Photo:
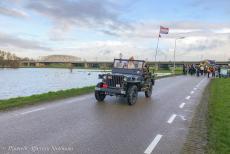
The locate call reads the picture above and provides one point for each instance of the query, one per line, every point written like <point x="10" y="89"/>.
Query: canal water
<point x="29" y="81"/>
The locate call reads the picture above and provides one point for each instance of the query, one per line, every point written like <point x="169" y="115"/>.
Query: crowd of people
<point x="202" y="70"/>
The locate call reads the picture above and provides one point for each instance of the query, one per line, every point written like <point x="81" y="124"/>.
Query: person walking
<point x="193" y="69"/>
<point x="184" y="69"/>
<point x="205" y="70"/>
<point x="208" y="71"/>
<point x="213" y="71"/>
<point x="218" y="69"/>
<point x="197" y="71"/>
<point x="202" y="70"/>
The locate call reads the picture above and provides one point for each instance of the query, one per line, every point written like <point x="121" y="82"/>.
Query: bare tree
<point x="8" y="59"/>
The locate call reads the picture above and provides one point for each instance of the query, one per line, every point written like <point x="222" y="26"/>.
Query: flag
<point x="164" y="30"/>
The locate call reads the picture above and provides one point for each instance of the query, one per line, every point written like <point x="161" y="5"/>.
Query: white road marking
<point x="200" y="83"/>
<point x="182" y="105"/>
<point x="153" y="144"/>
<point x="27" y="112"/>
<point x="188" y="97"/>
<point x="191" y="92"/>
<point x="194" y="88"/>
<point x="182" y="117"/>
<point x="171" y="118"/>
<point x="77" y="100"/>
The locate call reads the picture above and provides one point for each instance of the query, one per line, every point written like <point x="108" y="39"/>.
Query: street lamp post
<point x="174" y="55"/>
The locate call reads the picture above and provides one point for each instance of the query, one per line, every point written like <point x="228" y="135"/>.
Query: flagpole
<point x="156" y="51"/>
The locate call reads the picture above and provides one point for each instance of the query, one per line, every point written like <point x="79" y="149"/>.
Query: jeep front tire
<point x="99" y="95"/>
<point x="132" y="94"/>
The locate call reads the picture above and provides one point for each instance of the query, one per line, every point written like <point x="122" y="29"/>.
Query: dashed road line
<point x="77" y="100"/>
<point x="182" y="117"/>
<point x="182" y="105"/>
<point x="173" y="116"/>
<point x="194" y="88"/>
<point x="153" y="144"/>
<point x="200" y="83"/>
<point x="192" y="92"/>
<point x="31" y="111"/>
<point x="188" y="97"/>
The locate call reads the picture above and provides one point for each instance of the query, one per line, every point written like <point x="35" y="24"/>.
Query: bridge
<point x="107" y="64"/>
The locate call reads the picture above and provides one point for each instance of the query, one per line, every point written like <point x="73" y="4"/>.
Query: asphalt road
<point x="81" y="125"/>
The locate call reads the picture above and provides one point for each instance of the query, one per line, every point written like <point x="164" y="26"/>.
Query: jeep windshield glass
<point x="128" y="64"/>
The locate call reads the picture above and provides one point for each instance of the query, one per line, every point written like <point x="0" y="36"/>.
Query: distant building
<point x="60" y="58"/>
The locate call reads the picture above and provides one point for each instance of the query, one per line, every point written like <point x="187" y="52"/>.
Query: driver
<point x="119" y="64"/>
<point x="131" y="64"/>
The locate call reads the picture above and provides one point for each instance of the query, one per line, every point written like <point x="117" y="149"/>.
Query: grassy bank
<point x="40" y="98"/>
<point x="219" y="117"/>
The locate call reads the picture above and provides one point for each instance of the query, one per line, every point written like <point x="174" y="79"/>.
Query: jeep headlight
<point x="125" y="78"/>
<point x="104" y="77"/>
<point x="100" y="76"/>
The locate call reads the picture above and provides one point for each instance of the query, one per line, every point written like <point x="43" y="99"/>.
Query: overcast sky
<point x="101" y="29"/>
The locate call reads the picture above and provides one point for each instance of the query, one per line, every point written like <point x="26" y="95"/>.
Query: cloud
<point x="211" y="7"/>
<point x="150" y="29"/>
<point x="199" y="45"/>
<point x="9" y="40"/>
<point x="12" y="12"/>
<point x="67" y="14"/>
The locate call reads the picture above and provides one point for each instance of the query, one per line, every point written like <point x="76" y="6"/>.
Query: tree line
<point x="8" y="59"/>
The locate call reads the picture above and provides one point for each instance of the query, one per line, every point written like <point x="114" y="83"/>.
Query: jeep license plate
<point x="118" y="85"/>
<point x="97" y="88"/>
<point x="123" y="92"/>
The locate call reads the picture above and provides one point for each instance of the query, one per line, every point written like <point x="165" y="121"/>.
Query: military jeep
<point x="128" y="77"/>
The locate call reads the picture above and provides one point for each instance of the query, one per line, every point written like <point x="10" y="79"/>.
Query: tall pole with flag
<point x="156" y="51"/>
<point x="163" y="30"/>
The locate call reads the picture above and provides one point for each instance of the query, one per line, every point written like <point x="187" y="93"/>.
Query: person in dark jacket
<point x="218" y="69"/>
<point x="197" y="71"/>
<point x="184" y="69"/>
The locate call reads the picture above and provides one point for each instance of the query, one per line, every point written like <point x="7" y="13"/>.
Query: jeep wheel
<point x="148" y="93"/>
<point x="100" y="96"/>
<point x="132" y="95"/>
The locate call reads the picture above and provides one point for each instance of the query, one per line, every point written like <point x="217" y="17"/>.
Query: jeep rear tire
<point x="132" y="95"/>
<point x="148" y="93"/>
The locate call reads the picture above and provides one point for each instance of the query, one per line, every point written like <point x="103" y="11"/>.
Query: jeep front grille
<point x="114" y="80"/>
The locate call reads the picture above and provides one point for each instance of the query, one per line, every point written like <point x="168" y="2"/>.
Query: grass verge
<point x="40" y="98"/>
<point x="219" y="117"/>
<point x="210" y="128"/>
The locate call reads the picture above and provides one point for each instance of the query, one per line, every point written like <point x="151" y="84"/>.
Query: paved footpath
<point x="80" y="125"/>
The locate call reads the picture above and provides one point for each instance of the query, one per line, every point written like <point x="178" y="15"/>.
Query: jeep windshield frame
<point x="126" y="66"/>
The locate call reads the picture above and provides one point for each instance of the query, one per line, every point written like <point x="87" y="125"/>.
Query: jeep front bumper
<point x="111" y="91"/>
